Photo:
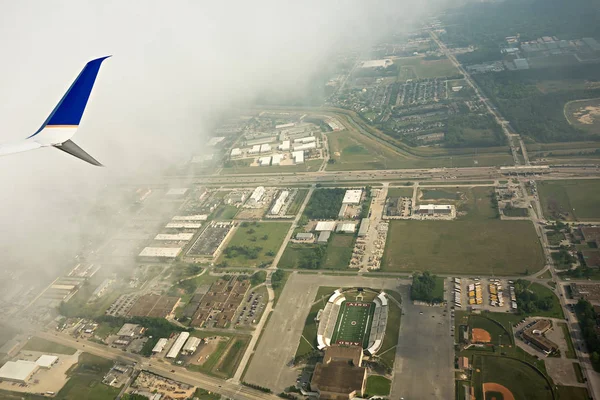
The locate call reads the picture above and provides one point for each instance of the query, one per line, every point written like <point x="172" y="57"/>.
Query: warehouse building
<point x="323" y="237"/>
<point x="325" y="226"/>
<point x="46" y="361"/>
<point x="279" y="202"/>
<point x="352" y="196"/>
<point x="276" y="159"/>
<point x="305" y="146"/>
<point x="364" y="227"/>
<point x="179" y="342"/>
<point x="306" y="139"/>
<point x="265" y="148"/>
<point x="177" y="237"/>
<point x="433" y="209"/>
<point x="177" y="191"/>
<point x="298" y="157"/>
<point x="160" y="252"/>
<point x="183" y="225"/>
<point x="191" y="345"/>
<point x="256" y="195"/>
<point x="255" y="149"/>
<point x="197" y="217"/>
<point x="285" y="145"/>
<point x="160" y="345"/>
<point x="264" y="161"/>
<point x="304" y="236"/>
<point x="236" y="152"/>
<point x="346" y="227"/>
<point x="130" y="330"/>
<point x="19" y="371"/>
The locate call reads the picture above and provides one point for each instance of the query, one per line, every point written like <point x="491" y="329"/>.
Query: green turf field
<point x="354" y="323"/>
<point x="572" y="200"/>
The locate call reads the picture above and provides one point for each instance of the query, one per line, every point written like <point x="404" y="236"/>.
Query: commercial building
<point x="191" y="345"/>
<point x="306" y="139"/>
<point x="298" y="157"/>
<point x="236" y="152"/>
<point x="255" y="149"/>
<point x="340" y="375"/>
<point x="305" y="146"/>
<point x="535" y="335"/>
<point x="179" y="342"/>
<point x="285" y="145"/>
<point x="264" y="148"/>
<point x="256" y="196"/>
<point x="130" y="330"/>
<point x="304" y="236"/>
<point x="346" y="227"/>
<point x="176" y="237"/>
<point x="433" y="209"/>
<point x="352" y="196"/>
<point x="197" y="217"/>
<point x="19" y="371"/>
<point x="279" y="202"/>
<point x="364" y="227"/>
<point x="325" y="226"/>
<point x="183" y="225"/>
<point x="161" y="252"/>
<point x="384" y="63"/>
<point x="46" y="361"/>
<point x="160" y="345"/>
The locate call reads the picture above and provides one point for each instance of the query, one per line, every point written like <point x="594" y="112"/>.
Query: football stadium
<point x="353" y="322"/>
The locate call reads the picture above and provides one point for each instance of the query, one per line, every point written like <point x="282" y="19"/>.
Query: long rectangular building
<point x="179" y="342"/>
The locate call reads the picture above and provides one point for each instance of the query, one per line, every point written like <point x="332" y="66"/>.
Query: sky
<point x="175" y="67"/>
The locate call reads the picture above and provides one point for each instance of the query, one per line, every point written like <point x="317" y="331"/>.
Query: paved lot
<point x="424" y="358"/>
<point x="278" y="344"/>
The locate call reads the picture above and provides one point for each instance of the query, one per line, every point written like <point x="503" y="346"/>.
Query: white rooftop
<point x="174" y="237"/>
<point x="46" y="360"/>
<point x="177" y="191"/>
<point x="325" y="226"/>
<point x="170" y="252"/>
<point x="184" y="225"/>
<point x="352" y="196"/>
<point x="18" y="370"/>
<point x="198" y="217"/>
<point x="376" y="63"/>
<point x="434" y="207"/>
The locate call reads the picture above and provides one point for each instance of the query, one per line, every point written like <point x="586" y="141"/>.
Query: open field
<point x="353" y="323"/>
<point x="495" y="247"/>
<point x="7" y="332"/>
<point x="423" y="69"/>
<point x="224" y="360"/>
<point x="339" y="251"/>
<point x="543" y="292"/>
<point x="572" y="393"/>
<point x="584" y="114"/>
<point x="521" y="379"/>
<point x="86" y="380"/>
<point x="297" y="202"/>
<point x="267" y="236"/>
<point x="378" y="385"/>
<point x="400" y="192"/>
<point x="572" y="200"/>
<point x="225" y="212"/>
<point x="45" y="346"/>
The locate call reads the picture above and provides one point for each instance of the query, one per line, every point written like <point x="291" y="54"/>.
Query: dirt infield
<point x="480" y="336"/>
<point x="493" y="388"/>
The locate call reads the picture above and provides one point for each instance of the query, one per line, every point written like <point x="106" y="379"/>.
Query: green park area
<point x="570" y="200"/>
<point x="254" y="244"/>
<point x="470" y="246"/>
<point x="419" y="68"/>
<point x="334" y="255"/>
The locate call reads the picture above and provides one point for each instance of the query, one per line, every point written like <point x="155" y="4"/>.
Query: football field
<point x="354" y="324"/>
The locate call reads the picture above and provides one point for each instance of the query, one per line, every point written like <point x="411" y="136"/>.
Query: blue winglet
<point x="71" y="107"/>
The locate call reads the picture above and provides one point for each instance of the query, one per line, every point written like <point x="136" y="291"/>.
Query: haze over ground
<point x="176" y="66"/>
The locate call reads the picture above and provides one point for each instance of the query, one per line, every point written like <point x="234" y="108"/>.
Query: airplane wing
<point x="62" y="123"/>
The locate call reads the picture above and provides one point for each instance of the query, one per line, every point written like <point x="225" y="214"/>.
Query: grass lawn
<point x="400" y="192"/>
<point x="203" y="394"/>
<point x="423" y="69"/>
<point x="224" y="360"/>
<point x="570" y="353"/>
<point x="233" y="357"/>
<point x="45" y="346"/>
<point x="353" y="323"/>
<point x="339" y="251"/>
<point x="520" y="378"/>
<point x="297" y="202"/>
<point x="572" y="200"/>
<point x="308" y="340"/>
<point x="6" y="395"/>
<point x="294" y="252"/>
<point x="468" y="246"/>
<point x="253" y="236"/>
<point x="86" y="380"/>
<point x="378" y="385"/>
<point x="225" y="212"/>
<point x="572" y="393"/>
<point x="542" y="292"/>
<point x="104" y="330"/>
<point x="6" y="333"/>
<point x="578" y="372"/>
<point x="278" y="286"/>
<point x="387" y="353"/>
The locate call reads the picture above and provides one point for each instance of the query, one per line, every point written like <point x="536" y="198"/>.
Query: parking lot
<point x="491" y="294"/>
<point x="251" y="308"/>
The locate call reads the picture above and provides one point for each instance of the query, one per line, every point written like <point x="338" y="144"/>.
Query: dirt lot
<point x="206" y="349"/>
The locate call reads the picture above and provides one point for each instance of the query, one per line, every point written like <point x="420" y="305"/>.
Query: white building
<point x="183" y="225"/>
<point x="167" y="252"/>
<point x="384" y="63"/>
<point x="276" y="159"/>
<point x="283" y="126"/>
<point x="130" y="330"/>
<point x="306" y="139"/>
<point x="305" y="146"/>
<point x="265" y="148"/>
<point x="160" y="345"/>
<point x="346" y="227"/>
<point x="256" y="195"/>
<point x="264" y="161"/>
<point x="18" y="371"/>
<point x="352" y="196"/>
<point x="285" y="145"/>
<point x="177" y="191"/>
<point x="279" y="202"/>
<point x="236" y="152"/>
<point x="177" y="237"/>
<point x="298" y="157"/>
<point x="174" y="350"/>
<point x="325" y="226"/>
<point x="197" y="217"/>
<point x="191" y="345"/>
<point x="432" y="209"/>
<point x="46" y="361"/>
<point x="255" y="149"/>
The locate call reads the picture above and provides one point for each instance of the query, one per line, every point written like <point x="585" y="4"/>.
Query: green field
<point x="7" y="332"/>
<point x="336" y="254"/>
<point x="225" y="212"/>
<point x="297" y="202"/>
<point x="400" y="192"/>
<point x="45" y="346"/>
<point x="423" y="69"/>
<point x="354" y="323"/>
<point x="496" y="330"/>
<point x="584" y="114"/>
<point x="86" y="380"/>
<point x="542" y="292"/>
<point x="339" y="251"/>
<point x="253" y="236"/>
<point x="470" y="246"/>
<point x="572" y="200"/>
<point x="520" y="378"/>
<point x="572" y="393"/>
<point x="378" y="385"/>
<point x="224" y="360"/>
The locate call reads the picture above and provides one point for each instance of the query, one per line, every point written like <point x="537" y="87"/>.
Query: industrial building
<point x="183" y="225"/>
<point x="283" y="126"/>
<point x="279" y="202"/>
<point x="130" y="330"/>
<point x="264" y="161"/>
<point x="177" y="191"/>
<point x="384" y="63"/>
<point x="364" y="227"/>
<point x="433" y="209"/>
<point x="255" y="149"/>
<point x="346" y="227"/>
<point x="276" y="159"/>
<point x="265" y="148"/>
<point x="176" y="237"/>
<point x="46" y="361"/>
<point x="285" y="145"/>
<point x="197" y="217"/>
<point x="305" y="146"/>
<point x="179" y="342"/>
<point x="298" y="157"/>
<point x="236" y="152"/>
<point x="340" y="375"/>
<point x="352" y="196"/>
<point x="325" y="226"/>
<point x="306" y="139"/>
<point x="191" y="345"/>
<point x="160" y="345"/>
<point x="323" y="237"/>
<point x="161" y="252"/>
<point x="304" y="236"/>
<point x="256" y="195"/>
<point x="19" y="371"/>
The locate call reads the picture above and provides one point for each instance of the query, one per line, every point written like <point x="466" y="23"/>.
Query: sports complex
<point x="353" y="322"/>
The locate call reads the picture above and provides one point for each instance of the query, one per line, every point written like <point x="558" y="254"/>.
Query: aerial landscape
<point x="369" y="200"/>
